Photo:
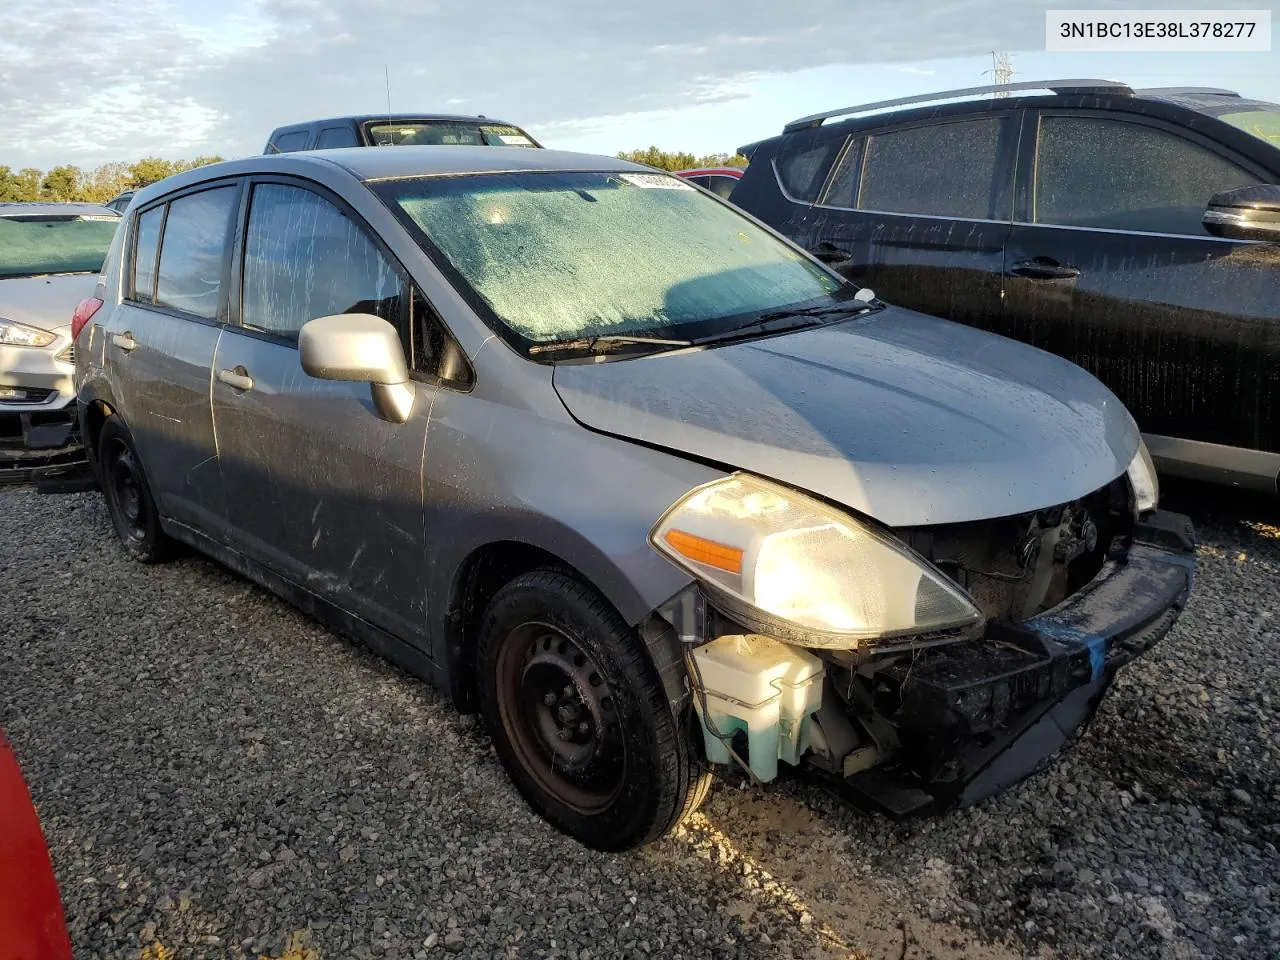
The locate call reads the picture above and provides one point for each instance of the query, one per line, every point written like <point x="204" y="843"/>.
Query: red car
<point x="719" y="180"/>
<point x="32" y="925"/>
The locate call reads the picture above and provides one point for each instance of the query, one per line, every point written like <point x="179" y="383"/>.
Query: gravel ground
<point x="220" y="776"/>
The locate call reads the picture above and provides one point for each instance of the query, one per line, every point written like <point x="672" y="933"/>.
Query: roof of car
<point x="711" y="171"/>
<point x="45" y="208"/>
<point x="399" y="118"/>
<point x="386" y="163"/>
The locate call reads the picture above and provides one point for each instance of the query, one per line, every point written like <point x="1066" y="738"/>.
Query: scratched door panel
<point x="319" y="487"/>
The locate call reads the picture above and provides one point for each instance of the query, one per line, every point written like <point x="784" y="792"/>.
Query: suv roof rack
<point x="1057" y="86"/>
<point x="1182" y="91"/>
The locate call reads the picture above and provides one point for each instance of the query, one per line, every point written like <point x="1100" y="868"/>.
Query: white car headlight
<point x="1142" y="477"/>
<point x="14" y="334"/>
<point x="821" y="578"/>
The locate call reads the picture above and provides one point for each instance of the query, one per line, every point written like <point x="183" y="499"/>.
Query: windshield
<point x="1263" y="124"/>
<point x="406" y="133"/>
<point x="555" y="256"/>
<point x="41" y="244"/>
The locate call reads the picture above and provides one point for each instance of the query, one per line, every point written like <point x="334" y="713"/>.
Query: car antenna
<point x="386" y="71"/>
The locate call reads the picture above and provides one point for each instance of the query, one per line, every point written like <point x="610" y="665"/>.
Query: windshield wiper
<point x="604" y="343"/>
<point x="791" y="318"/>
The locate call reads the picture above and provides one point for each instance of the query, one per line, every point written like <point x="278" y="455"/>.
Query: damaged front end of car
<point x="918" y="669"/>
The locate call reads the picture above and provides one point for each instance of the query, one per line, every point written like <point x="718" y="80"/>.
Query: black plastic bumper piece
<point x="980" y="716"/>
<point x="43" y="449"/>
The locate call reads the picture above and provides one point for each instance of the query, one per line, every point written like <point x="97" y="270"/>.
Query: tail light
<point x="84" y="313"/>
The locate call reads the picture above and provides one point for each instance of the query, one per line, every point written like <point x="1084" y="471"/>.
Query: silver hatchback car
<point x="620" y="467"/>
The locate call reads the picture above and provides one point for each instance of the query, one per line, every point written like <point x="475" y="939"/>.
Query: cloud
<point x="199" y="76"/>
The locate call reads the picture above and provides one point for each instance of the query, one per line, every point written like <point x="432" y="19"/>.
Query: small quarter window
<point x="144" y="254"/>
<point x="843" y="189"/>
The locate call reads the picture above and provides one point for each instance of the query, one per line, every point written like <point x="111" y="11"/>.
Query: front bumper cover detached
<point x="978" y="717"/>
<point x="43" y="448"/>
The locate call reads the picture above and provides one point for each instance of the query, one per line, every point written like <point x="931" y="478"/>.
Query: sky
<point x="115" y="80"/>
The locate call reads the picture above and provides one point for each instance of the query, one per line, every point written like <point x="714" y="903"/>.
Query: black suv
<point x="1135" y="232"/>
<point x="397" y="130"/>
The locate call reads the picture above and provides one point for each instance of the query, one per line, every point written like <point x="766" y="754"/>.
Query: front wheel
<point x="579" y="717"/>
<point x="133" y="511"/>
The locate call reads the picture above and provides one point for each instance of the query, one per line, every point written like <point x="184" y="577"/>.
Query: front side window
<point x="146" y="246"/>
<point x="193" y="251"/>
<point x="38" y="244"/>
<point x="1100" y="172"/>
<point x="304" y="258"/>
<point x="554" y="256"/>
<point x="940" y="170"/>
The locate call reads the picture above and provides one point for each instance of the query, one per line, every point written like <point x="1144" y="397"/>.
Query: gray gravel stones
<point x="219" y="774"/>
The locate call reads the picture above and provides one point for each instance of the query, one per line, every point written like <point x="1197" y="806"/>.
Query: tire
<point x="579" y="717"/>
<point x="129" y="501"/>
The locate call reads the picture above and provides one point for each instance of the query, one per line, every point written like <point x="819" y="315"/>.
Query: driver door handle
<point x="1044" y="268"/>
<point x="124" y="341"/>
<point x="238" y="378"/>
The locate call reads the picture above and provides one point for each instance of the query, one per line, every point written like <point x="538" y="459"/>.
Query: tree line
<point x="669" y="160"/>
<point x="70" y="183"/>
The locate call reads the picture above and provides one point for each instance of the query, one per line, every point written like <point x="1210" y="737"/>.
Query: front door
<point x="921" y="214"/>
<point x="319" y="488"/>
<point x="1110" y="267"/>
<point x="161" y="344"/>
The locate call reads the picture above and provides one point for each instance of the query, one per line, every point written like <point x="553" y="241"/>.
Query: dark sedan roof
<point x="47" y="209"/>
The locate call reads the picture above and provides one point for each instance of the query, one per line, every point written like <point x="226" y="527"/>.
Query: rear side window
<point x="803" y="166"/>
<point x="288" y="142"/>
<point x="194" y="249"/>
<point x="145" y="249"/>
<point x="941" y="170"/>
<point x="304" y="258"/>
<point x="1096" y="172"/>
<point x="334" y="137"/>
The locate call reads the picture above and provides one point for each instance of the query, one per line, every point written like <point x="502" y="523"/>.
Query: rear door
<point x="160" y="344"/>
<point x="1110" y="267"/>
<point x="921" y="212"/>
<point x="319" y="488"/>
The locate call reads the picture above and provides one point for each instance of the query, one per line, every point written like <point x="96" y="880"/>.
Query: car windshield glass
<point x="1263" y="124"/>
<point x="35" y="245"/>
<point x="556" y="256"/>
<point x="407" y="133"/>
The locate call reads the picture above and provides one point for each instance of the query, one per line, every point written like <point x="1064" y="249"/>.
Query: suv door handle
<point x="125" y="341"/>
<point x="238" y="378"/>
<point x="1044" y="268"/>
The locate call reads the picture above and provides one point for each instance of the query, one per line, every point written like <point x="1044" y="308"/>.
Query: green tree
<point x="148" y="170"/>
<point x="182" y="166"/>
<point x="61" y="183"/>
<point x="106" y="182"/>
<point x="667" y="160"/>
<point x="26" y="184"/>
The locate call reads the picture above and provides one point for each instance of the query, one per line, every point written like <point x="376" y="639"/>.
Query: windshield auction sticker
<point x="1175" y="30"/>
<point x="654" y="181"/>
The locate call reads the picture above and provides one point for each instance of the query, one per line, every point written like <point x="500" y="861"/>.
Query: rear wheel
<point x="133" y="511"/>
<point x="579" y="717"/>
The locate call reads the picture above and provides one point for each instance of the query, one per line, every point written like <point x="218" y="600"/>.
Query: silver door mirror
<point x="1246" y="213"/>
<point x="362" y="348"/>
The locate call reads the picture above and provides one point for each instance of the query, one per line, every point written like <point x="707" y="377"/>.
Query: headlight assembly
<point x="14" y="334"/>
<point x="807" y="573"/>
<point x="1142" y="477"/>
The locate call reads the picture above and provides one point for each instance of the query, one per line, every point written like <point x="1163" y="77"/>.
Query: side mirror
<point x="363" y="348"/>
<point x="1246" y="213"/>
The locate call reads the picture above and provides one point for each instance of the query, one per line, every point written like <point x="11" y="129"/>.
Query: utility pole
<point x="1001" y="70"/>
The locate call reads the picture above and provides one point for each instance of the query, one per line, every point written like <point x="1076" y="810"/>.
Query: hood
<point x="902" y="417"/>
<point x="45" y="302"/>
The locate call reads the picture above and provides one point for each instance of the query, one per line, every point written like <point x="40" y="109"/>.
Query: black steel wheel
<point x="133" y="511"/>
<point x="579" y="717"/>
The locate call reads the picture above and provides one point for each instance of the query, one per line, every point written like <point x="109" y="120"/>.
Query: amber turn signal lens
<point x="704" y="551"/>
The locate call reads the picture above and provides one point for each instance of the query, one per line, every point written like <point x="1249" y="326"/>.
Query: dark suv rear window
<point x="802" y="166"/>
